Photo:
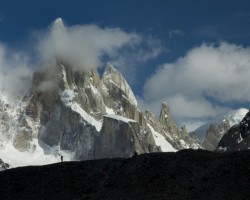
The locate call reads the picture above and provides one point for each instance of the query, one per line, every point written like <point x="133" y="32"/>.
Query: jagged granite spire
<point x="166" y="119"/>
<point x="113" y="76"/>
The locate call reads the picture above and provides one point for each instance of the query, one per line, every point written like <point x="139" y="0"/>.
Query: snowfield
<point x="40" y="156"/>
<point x="161" y="141"/>
<point x="120" y="118"/>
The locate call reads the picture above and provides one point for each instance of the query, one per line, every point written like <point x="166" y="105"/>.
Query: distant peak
<point x="112" y="76"/>
<point x="58" y="23"/>
<point x="243" y="110"/>
<point x="110" y="67"/>
<point x="59" y="20"/>
<point x="164" y="104"/>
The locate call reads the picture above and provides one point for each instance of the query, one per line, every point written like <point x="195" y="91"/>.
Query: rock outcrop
<point x="4" y="166"/>
<point x="210" y="133"/>
<point x="214" y="134"/>
<point x="179" y="136"/>
<point x="237" y="138"/>
<point x="119" y="137"/>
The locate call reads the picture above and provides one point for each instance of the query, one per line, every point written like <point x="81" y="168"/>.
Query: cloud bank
<point x="15" y="73"/>
<point x="84" y="46"/>
<point x="195" y="83"/>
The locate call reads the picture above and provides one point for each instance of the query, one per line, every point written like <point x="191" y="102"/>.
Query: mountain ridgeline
<point x="211" y="132"/>
<point x="237" y="138"/>
<point x="91" y="117"/>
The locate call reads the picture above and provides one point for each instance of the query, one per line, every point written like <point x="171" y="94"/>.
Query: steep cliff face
<point x="5" y="119"/>
<point x="214" y="134"/>
<point x="63" y="108"/>
<point x="113" y="79"/>
<point x="118" y="137"/>
<point x="9" y="115"/>
<point x="180" y="137"/>
<point x="89" y="117"/>
<point x="237" y="138"/>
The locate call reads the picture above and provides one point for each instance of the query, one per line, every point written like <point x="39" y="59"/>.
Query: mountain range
<point x="82" y="116"/>
<point x="211" y="132"/>
<point x="237" y="138"/>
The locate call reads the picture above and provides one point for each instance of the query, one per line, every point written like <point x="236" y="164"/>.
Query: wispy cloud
<point x="15" y="71"/>
<point x="82" y="46"/>
<point x="175" y="32"/>
<point x="151" y="49"/>
<point x="130" y="60"/>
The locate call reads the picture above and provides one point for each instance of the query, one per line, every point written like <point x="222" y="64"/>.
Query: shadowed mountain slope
<point x="187" y="174"/>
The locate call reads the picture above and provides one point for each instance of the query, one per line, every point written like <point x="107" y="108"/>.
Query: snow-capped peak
<point x="233" y="117"/>
<point x="59" y="22"/>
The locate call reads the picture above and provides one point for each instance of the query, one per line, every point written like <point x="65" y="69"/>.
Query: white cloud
<point x="174" y="32"/>
<point x="83" y="45"/>
<point x="151" y="50"/>
<point x="91" y="46"/>
<point x="219" y="72"/>
<point x="15" y="73"/>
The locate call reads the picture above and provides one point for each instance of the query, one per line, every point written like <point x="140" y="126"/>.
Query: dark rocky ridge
<point x="211" y="132"/>
<point x="237" y="138"/>
<point x="187" y="174"/>
<point x="4" y="166"/>
<point x="214" y="134"/>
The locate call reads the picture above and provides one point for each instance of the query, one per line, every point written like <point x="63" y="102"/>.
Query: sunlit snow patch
<point x="109" y="111"/>
<point x="120" y="118"/>
<point x="39" y="156"/>
<point x="161" y="141"/>
<point x="67" y="98"/>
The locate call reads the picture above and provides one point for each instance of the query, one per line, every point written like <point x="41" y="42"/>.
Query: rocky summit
<point x="237" y="138"/>
<point x="211" y="132"/>
<point x="4" y="166"/>
<point x="187" y="174"/>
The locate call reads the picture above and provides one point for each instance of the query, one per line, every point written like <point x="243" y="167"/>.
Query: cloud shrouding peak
<point x="15" y="73"/>
<point x="84" y="46"/>
<point x="205" y="75"/>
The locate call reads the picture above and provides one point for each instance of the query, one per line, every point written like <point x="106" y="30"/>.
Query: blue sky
<point x="175" y="36"/>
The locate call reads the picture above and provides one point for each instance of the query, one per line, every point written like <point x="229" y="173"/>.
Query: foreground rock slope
<point x="187" y="174"/>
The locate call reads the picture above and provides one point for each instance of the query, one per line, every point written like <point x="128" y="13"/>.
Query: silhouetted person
<point x="61" y="158"/>
<point x="135" y="153"/>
